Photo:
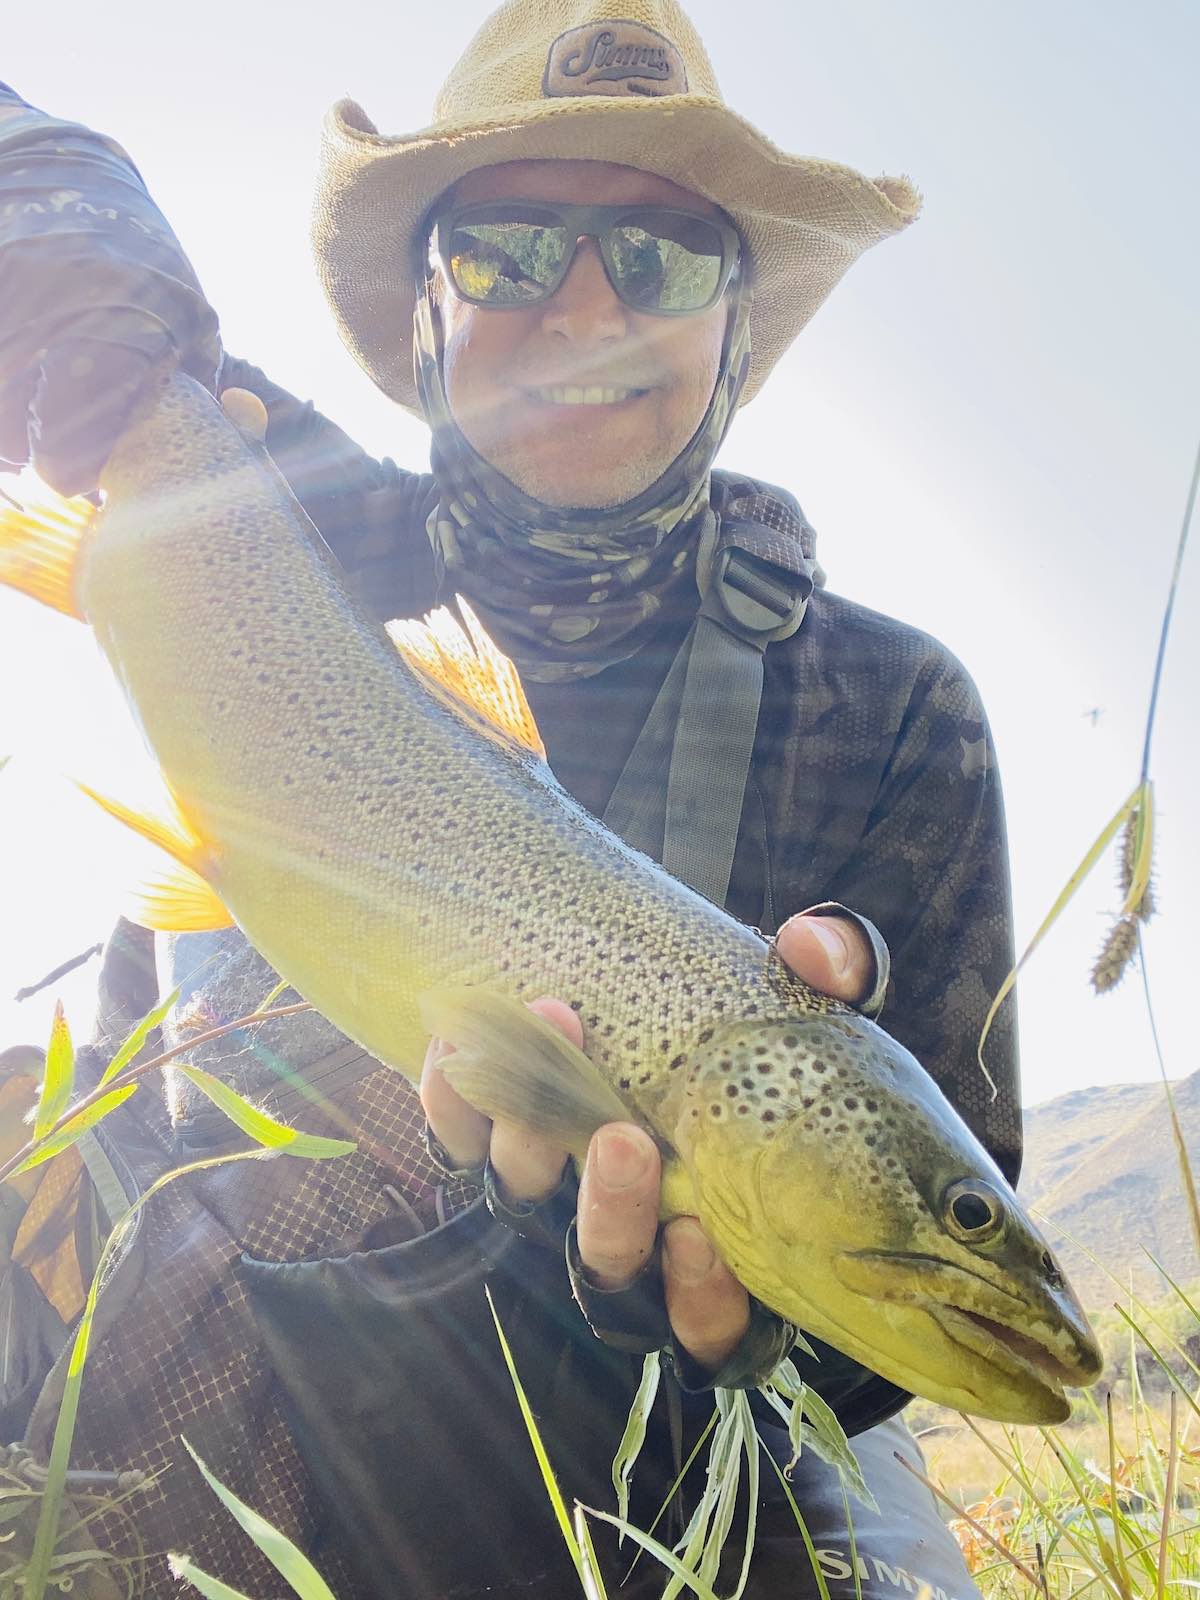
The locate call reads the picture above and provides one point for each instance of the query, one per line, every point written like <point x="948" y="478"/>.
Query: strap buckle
<point x="761" y="600"/>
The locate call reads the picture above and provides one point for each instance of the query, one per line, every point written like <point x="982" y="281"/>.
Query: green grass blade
<point x="674" y="1489"/>
<point x="289" y="1562"/>
<point x="858" y="1594"/>
<point x="211" y="1588"/>
<point x="1143" y="849"/>
<point x="58" y="1079"/>
<point x="561" y="1514"/>
<point x="1171" y="1376"/>
<point x="634" y="1436"/>
<point x="822" y="1586"/>
<point x="825" y="1434"/>
<point x="137" y="1039"/>
<point x="263" y="1129"/>
<point x="1101" y="844"/>
<point x="682" y="1575"/>
<point x="751" y="1447"/>
<point x="1187" y="1177"/>
<point x="591" y="1576"/>
<point x="265" y="1005"/>
<point x="70" y="1131"/>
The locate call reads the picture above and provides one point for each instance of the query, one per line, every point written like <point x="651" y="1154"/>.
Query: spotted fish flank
<point x="408" y="863"/>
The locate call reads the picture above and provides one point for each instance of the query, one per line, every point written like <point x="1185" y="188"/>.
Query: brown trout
<point x="375" y="814"/>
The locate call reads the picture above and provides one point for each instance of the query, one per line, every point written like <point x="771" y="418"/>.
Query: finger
<point x="708" y="1308"/>
<point x="462" y="1131"/>
<point x="618" y="1204"/>
<point x="82" y="404"/>
<point x="528" y="1166"/>
<point x="247" y="412"/>
<point x="829" y="953"/>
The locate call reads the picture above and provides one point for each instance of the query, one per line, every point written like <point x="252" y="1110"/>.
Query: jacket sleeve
<point x="370" y="513"/>
<point x="95" y="293"/>
<point x="932" y="871"/>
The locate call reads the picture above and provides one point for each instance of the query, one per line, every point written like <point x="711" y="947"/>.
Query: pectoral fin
<point x="40" y="544"/>
<point x="511" y="1063"/>
<point x="175" y="895"/>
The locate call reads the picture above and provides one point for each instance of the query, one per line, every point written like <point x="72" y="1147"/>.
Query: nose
<point x="585" y="308"/>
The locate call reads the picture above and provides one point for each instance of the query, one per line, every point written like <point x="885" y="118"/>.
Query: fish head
<point x="847" y="1194"/>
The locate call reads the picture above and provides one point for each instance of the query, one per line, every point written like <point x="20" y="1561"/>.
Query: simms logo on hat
<point x="614" y="57"/>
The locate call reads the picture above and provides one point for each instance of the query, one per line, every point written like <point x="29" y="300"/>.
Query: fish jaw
<point x="1012" y="1356"/>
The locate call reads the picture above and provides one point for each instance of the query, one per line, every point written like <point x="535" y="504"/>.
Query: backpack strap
<point x="680" y="795"/>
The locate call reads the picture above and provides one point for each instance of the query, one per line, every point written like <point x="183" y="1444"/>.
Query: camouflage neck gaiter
<point x="568" y="592"/>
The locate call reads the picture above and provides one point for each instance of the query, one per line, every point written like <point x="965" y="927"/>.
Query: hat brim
<point x="804" y="221"/>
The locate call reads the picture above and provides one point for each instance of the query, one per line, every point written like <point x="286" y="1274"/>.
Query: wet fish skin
<point x="376" y="848"/>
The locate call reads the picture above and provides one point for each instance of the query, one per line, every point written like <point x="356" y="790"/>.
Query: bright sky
<point x="991" y="423"/>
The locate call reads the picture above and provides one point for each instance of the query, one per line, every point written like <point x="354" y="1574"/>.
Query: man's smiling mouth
<point x="577" y="395"/>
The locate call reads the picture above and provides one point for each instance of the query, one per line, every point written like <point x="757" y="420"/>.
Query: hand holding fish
<point x="618" y="1212"/>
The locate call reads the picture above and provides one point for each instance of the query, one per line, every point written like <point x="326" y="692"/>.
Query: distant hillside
<point x="1101" y="1165"/>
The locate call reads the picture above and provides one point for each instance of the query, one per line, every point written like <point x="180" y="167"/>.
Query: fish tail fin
<point x="463" y="668"/>
<point x="173" y="896"/>
<point x="40" y="542"/>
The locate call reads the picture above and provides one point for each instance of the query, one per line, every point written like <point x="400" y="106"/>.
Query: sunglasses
<point x="508" y="254"/>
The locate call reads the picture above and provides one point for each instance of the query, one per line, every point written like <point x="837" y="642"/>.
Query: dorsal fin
<point x="465" y="670"/>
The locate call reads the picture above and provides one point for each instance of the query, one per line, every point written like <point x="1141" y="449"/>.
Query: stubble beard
<point x="622" y="481"/>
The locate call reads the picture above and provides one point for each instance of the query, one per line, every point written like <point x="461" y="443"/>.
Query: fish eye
<point x="973" y="1211"/>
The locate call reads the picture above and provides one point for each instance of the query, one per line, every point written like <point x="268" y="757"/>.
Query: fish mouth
<point x="1045" y="1345"/>
<point x="1007" y="1346"/>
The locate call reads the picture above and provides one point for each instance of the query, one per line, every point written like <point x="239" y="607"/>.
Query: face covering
<point x="567" y="592"/>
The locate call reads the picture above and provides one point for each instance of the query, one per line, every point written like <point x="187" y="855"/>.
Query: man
<point x="576" y="274"/>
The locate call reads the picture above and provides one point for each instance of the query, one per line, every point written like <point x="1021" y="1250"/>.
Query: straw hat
<point x="626" y="81"/>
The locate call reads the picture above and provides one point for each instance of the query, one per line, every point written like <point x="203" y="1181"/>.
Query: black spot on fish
<point x="675" y="1064"/>
<point x="743" y="1110"/>
<point x="790" y="1041"/>
<point x="850" y="1103"/>
<point x="768" y="1116"/>
<point x="731" y="1091"/>
<point x="826" y="1111"/>
<point x="705" y="1035"/>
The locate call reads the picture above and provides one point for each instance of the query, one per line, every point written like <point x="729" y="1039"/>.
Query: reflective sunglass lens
<point x="505" y="263"/>
<point x="667" y="264"/>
